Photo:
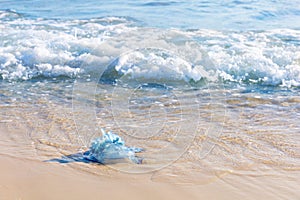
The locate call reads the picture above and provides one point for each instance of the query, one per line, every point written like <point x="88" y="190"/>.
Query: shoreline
<point x="36" y="134"/>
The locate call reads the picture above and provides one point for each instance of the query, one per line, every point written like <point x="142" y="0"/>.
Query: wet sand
<point x="255" y="157"/>
<point x="25" y="179"/>
<point x="29" y="178"/>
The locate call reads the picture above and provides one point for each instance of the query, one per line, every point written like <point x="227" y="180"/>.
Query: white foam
<point x="265" y="57"/>
<point x="31" y="48"/>
<point x="35" y="47"/>
<point x="157" y="64"/>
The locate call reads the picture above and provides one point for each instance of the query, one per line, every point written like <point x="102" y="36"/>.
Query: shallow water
<point x="204" y="99"/>
<point x="216" y="130"/>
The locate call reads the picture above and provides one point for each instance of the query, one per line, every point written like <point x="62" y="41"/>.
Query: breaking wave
<point x="31" y="48"/>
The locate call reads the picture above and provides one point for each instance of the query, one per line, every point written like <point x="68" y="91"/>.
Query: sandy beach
<point x="30" y="179"/>
<point x="241" y="166"/>
<point x="195" y="100"/>
<point x="24" y="179"/>
<point x="254" y="162"/>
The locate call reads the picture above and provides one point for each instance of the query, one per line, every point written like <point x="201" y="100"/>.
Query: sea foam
<point x="33" y="48"/>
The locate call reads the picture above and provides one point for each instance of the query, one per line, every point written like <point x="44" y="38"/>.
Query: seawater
<point x="208" y="88"/>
